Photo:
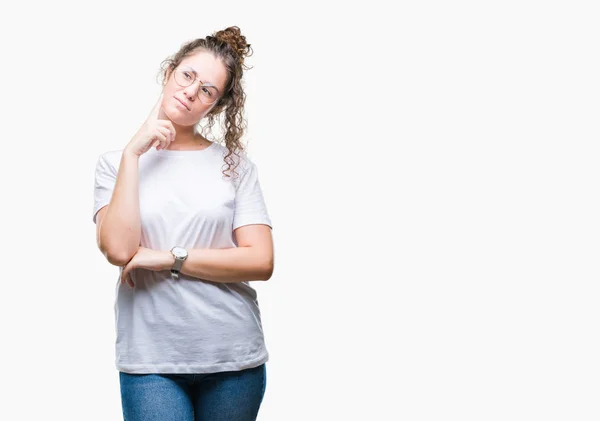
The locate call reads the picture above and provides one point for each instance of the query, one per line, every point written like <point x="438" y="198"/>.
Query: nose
<point x="192" y="90"/>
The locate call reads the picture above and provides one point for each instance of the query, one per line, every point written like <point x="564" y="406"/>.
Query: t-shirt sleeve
<point x="104" y="184"/>
<point x="250" y="206"/>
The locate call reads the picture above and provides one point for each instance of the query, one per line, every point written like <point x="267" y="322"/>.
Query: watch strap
<point x="177" y="266"/>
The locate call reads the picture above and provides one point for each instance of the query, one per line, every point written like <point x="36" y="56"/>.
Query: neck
<point x="187" y="139"/>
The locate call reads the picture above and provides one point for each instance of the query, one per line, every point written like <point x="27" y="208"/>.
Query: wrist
<point x="128" y="154"/>
<point x="168" y="259"/>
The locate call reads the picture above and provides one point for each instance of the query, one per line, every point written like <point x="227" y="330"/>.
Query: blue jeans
<point x="224" y="396"/>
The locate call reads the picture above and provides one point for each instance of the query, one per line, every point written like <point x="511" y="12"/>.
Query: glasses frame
<point x="201" y="85"/>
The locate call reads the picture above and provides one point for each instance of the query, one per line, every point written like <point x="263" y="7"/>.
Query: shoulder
<point x="109" y="159"/>
<point x="111" y="155"/>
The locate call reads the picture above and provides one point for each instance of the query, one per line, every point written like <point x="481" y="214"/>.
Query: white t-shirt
<point x="187" y="325"/>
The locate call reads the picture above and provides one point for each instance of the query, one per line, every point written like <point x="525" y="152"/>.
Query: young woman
<point x="185" y="219"/>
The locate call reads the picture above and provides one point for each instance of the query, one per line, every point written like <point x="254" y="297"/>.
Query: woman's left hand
<point x="149" y="259"/>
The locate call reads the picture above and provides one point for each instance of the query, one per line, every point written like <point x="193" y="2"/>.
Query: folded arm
<point x="252" y="260"/>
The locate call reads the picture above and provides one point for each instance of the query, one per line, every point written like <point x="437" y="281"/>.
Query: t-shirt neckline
<point x="169" y="152"/>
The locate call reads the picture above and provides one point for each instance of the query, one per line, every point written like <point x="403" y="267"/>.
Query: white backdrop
<point x="432" y="177"/>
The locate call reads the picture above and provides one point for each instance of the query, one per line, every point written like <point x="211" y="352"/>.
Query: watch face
<point x="179" y="252"/>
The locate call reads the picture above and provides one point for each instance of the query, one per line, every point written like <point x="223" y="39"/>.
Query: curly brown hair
<point x="231" y="47"/>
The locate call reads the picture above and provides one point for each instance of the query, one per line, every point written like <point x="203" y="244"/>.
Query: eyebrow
<point x="204" y="83"/>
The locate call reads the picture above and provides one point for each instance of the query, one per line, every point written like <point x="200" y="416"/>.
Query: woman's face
<point x="182" y="104"/>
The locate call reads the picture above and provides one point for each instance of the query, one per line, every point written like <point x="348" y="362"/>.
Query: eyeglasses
<point x="185" y="77"/>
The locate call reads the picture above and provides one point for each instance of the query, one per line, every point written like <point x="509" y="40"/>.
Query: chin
<point x="178" y="117"/>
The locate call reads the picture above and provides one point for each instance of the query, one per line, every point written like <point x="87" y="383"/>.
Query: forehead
<point x="209" y="68"/>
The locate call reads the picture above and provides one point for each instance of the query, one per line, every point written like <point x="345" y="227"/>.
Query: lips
<point x="182" y="103"/>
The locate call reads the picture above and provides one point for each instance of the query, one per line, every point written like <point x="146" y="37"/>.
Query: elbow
<point x="116" y="256"/>
<point x="116" y="253"/>
<point x="267" y="271"/>
<point x="117" y="259"/>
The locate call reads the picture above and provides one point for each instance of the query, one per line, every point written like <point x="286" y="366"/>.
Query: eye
<point x="207" y="91"/>
<point x="187" y="75"/>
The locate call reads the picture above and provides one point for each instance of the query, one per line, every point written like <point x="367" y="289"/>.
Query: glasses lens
<point x="206" y="94"/>
<point x="184" y="78"/>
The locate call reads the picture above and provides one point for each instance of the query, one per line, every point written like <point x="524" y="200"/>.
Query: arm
<point x="252" y="260"/>
<point x="119" y="227"/>
<point x="118" y="224"/>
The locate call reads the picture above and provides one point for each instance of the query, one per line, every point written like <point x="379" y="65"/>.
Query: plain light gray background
<point x="432" y="177"/>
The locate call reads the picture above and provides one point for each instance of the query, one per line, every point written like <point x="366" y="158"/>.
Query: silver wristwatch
<point x="180" y="254"/>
